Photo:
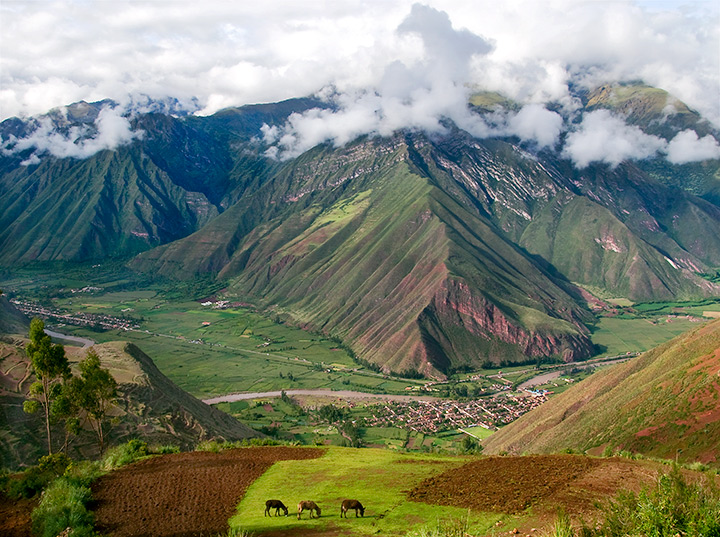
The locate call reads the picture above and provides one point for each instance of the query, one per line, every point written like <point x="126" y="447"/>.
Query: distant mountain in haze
<point x="421" y="253"/>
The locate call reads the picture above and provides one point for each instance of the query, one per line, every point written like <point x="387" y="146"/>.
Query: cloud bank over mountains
<point x="383" y="66"/>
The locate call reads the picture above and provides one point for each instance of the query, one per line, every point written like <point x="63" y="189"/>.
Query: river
<point x="343" y="394"/>
<point x="346" y="394"/>
<point x="550" y="375"/>
<point x="84" y="341"/>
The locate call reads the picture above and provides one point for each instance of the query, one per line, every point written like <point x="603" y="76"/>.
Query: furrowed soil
<point x="544" y="483"/>
<point x="194" y="494"/>
<point x="184" y="494"/>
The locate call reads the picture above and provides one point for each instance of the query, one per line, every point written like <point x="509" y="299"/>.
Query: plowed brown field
<point x="185" y="494"/>
<point x="545" y="482"/>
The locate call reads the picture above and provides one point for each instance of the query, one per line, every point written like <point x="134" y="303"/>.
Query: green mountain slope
<point x="420" y="253"/>
<point x="150" y="407"/>
<point x="664" y="403"/>
<point x="113" y="204"/>
<point x="379" y="255"/>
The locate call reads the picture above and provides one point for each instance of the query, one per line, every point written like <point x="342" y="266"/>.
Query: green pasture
<point x="479" y="432"/>
<point x="206" y="370"/>
<point x="379" y="479"/>
<point x="618" y="336"/>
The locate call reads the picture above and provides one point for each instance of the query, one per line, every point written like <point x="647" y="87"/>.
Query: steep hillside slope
<point x="379" y="255"/>
<point x="12" y="321"/>
<point x="664" y="403"/>
<point x="149" y="407"/>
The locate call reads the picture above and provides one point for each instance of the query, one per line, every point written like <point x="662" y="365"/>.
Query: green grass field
<point x="618" y="336"/>
<point x="379" y="479"/>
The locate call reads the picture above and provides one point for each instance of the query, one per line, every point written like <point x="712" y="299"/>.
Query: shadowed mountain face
<point x="663" y="404"/>
<point x="420" y="253"/>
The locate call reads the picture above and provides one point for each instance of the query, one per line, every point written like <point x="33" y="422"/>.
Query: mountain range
<point x="421" y="253"/>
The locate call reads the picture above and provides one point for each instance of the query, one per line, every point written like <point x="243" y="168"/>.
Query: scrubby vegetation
<point x="673" y="506"/>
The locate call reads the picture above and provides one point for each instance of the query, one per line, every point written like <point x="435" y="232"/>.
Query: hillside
<point x="664" y="403"/>
<point x="149" y="407"/>
<point x="12" y="321"/>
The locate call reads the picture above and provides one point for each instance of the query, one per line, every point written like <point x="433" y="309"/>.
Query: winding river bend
<point x="343" y="394"/>
<point x="84" y="341"/>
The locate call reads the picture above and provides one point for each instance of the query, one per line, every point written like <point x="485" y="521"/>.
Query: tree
<point x="51" y="368"/>
<point x="95" y="391"/>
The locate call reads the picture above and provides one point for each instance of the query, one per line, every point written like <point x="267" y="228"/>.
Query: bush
<point x="562" y="527"/>
<point x="33" y="480"/>
<point x="63" y="505"/>
<point x="125" y="454"/>
<point x="216" y="446"/>
<point x="164" y="450"/>
<point x="672" y="507"/>
<point x="83" y="473"/>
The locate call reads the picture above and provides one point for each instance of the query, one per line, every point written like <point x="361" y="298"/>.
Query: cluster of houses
<point x="107" y="322"/>
<point x="435" y="416"/>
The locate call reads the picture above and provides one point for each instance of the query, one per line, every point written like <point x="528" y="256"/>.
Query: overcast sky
<point x="413" y="62"/>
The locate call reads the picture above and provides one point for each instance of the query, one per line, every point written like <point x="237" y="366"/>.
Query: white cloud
<point x="687" y="147"/>
<point x="536" y="124"/>
<point x="603" y="137"/>
<point x="234" y="53"/>
<point x="110" y="130"/>
<point x="391" y="63"/>
<point x="415" y="94"/>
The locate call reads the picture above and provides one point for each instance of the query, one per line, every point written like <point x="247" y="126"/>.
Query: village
<point x="91" y="320"/>
<point x="432" y="416"/>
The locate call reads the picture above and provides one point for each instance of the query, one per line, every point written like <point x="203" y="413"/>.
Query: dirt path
<point x="185" y="494"/>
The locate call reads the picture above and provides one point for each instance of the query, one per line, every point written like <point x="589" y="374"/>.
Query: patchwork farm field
<point x="205" y="493"/>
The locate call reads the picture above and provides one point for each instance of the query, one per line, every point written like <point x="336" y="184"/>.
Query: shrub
<point x="33" y="480"/>
<point x="125" y="454"/>
<point x="83" y="473"/>
<point x="63" y="505"/>
<point x="212" y="446"/>
<point x="235" y="532"/>
<point x="672" y="507"/>
<point x="164" y="450"/>
<point x="216" y="446"/>
<point x="562" y="526"/>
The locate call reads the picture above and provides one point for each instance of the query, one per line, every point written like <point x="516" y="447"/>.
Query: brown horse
<point x="351" y="504"/>
<point x="308" y="506"/>
<point x="277" y="505"/>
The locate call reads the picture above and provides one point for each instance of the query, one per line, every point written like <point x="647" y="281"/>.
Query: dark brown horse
<point x="277" y="505"/>
<point x="308" y="506"/>
<point x="351" y="504"/>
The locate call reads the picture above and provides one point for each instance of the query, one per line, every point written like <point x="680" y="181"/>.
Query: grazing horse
<point x="309" y="506"/>
<point x="277" y="505"/>
<point x="351" y="504"/>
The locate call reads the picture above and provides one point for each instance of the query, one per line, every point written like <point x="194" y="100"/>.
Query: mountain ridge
<point x="419" y="252"/>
